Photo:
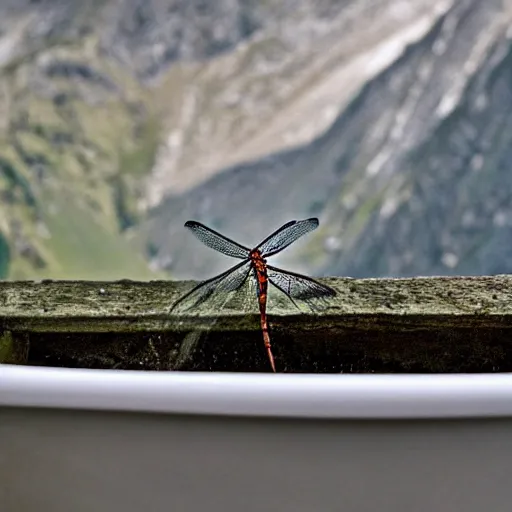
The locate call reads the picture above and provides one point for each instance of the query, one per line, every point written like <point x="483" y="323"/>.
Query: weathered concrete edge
<point x="131" y="306"/>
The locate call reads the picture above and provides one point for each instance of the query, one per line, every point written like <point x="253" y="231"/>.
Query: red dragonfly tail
<point x="266" y="340"/>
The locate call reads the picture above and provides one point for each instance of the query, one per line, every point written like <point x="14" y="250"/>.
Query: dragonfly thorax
<point x="257" y="259"/>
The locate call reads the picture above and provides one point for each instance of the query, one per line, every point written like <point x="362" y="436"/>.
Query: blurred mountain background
<point x="121" y="119"/>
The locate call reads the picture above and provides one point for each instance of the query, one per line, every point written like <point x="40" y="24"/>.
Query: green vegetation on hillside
<point x="77" y="141"/>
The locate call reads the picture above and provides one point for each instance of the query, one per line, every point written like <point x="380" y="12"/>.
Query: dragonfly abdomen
<point x="260" y="268"/>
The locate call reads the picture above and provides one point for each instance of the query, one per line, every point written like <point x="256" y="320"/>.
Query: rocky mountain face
<point x="436" y="193"/>
<point x="410" y="178"/>
<point x="122" y="119"/>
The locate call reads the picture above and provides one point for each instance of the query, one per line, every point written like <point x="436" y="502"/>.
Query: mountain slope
<point x="76" y="134"/>
<point x="109" y="106"/>
<point x="394" y="179"/>
<point x="123" y="119"/>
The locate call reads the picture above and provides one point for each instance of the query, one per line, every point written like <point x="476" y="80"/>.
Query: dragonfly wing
<point x="286" y="235"/>
<point x="216" y="241"/>
<point x="230" y="280"/>
<point x="297" y="286"/>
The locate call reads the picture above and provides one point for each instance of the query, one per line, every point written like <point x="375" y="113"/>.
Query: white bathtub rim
<point x="253" y="394"/>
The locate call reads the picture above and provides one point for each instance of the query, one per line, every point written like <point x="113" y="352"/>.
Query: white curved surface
<point x="281" y="395"/>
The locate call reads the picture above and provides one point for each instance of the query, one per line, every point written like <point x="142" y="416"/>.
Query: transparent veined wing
<point x="216" y="241"/>
<point x="286" y="235"/>
<point x="297" y="286"/>
<point x="229" y="281"/>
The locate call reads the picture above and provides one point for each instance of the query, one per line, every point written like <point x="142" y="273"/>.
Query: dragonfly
<point x="254" y="263"/>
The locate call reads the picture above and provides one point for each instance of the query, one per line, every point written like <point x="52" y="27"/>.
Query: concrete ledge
<point x="440" y="324"/>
